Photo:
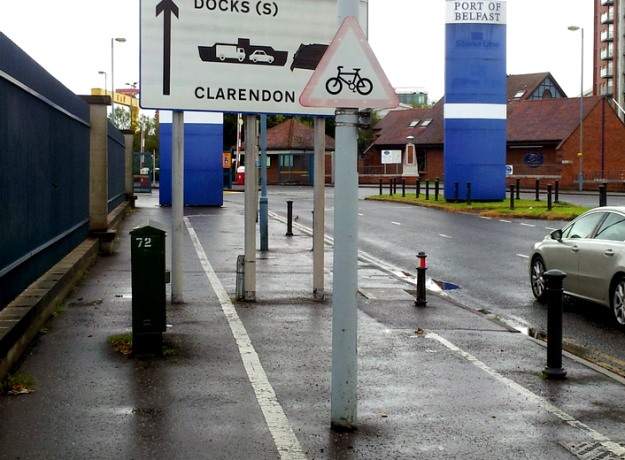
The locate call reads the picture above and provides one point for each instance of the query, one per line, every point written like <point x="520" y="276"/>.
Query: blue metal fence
<point x="116" y="167"/>
<point x="44" y="170"/>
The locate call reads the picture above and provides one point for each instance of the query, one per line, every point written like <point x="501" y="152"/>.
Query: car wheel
<point x="537" y="279"/>
<point x="618" y="301"/>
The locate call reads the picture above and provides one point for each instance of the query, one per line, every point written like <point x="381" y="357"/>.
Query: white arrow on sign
<point x="349" y="75"/>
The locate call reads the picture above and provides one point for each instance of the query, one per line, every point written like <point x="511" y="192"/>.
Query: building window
<point x="546" y="90"/>
<point x="422" y="159"/>
<point x="426" y="123"/>
<point x="413" y="123"/>
<point x="519" y="94"/>
<point x="286" y="161"/>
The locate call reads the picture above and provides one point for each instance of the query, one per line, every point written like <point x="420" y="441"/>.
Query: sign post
<point x="241" y="56"/>
<point x="177" y="206"/>
<point x="348" y="77"/>
<point x="238" y="56"/>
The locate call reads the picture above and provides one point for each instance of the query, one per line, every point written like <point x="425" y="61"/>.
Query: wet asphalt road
<point x="485" y="258"/>
<point x="466" y="387"/>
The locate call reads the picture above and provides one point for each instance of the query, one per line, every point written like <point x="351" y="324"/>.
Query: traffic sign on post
<point x="233" y="56"/>
<point x="349" y="74"/>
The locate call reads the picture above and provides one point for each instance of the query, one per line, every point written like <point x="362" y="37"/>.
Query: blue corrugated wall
<point x="116" y="164"/>
<point x="44" y="170"/>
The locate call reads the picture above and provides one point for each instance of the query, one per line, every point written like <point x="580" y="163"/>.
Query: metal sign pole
<point x="345" y="283"/>
<point x="251" y="185"/>
<point x="345" y="265"/>
<point x="264" y="200"/>
<point x="319" y="209"/>
<point x="177" y="206"/>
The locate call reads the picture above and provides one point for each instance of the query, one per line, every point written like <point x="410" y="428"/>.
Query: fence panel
<point x="44" y="179"/>
<point x="116" y="168"/>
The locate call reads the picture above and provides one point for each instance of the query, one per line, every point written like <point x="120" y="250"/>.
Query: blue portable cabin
<point x="203" y="158"/>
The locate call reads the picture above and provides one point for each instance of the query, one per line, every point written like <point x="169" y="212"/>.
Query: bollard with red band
<point x="421" y="269"/>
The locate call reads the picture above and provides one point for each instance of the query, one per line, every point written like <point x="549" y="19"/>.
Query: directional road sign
<point x="349" y="75"/>
<point x="249" y="56"/>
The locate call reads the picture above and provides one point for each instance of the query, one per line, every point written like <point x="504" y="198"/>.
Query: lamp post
<point x="581" y="110"/>
<point x="113" y="40"/>
<point x="102" y="72"/>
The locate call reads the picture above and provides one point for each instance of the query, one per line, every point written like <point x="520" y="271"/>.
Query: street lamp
<point x="113" y="40"/>
<point x="102" y="72"/>
<point x="581" y="109"/>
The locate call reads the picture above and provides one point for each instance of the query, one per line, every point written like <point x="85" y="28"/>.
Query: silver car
<point x="591" y="251"/>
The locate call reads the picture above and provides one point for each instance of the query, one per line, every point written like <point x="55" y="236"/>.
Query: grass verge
<point x="526" y="209"/>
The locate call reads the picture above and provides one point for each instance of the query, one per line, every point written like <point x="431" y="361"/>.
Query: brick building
<point x="543" y="139"/>
<point x="290" y="152"/>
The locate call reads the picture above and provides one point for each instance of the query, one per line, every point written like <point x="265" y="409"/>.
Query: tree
<point x="149" y="126"/>
<point x="121" y="118"/>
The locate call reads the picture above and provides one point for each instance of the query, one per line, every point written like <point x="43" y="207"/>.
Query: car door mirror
<point x="556" y="235"/>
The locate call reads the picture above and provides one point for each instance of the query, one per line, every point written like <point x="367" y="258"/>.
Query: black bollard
<point x="436" y="189"/>
<point x="553" y="282"/>
<point x="403" y="188"/>
<point x="380" y="186"/>
<point x="427" y="189"/>
<point x="518" y="189"/>
<point x="289" y="218"/>
<point x="421" y="269"/>
<point x="603" y="196"/>
<point x="549" y="186"/>
<point x="390" y="187"/>
<point x="557" y="197"/>
<point x="418" y="187"/>
<point x="537" y="189"/>
<point x="512" y="197"/>
<point x="469" y="193"/>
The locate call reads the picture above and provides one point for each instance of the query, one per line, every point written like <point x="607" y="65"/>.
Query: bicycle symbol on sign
<point x="357" y="83"/>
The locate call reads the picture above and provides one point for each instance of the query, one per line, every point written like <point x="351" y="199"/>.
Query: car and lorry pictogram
<point x="243" y="52"/>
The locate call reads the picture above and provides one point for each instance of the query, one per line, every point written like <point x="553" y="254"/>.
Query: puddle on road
<point x="445" y="285"/>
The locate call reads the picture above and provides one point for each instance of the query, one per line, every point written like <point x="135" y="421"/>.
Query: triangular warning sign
<point x="349" y="75"/>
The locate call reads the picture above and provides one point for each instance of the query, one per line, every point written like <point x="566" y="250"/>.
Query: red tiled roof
<point x="528" y="121"/>
<point x="394" y="128"/>
<point x="547" y="119"/>
<point x="293" y="135"/>
<point x="527" y="82"/>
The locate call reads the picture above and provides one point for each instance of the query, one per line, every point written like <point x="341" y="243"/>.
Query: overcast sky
<point x="71" y="39"/>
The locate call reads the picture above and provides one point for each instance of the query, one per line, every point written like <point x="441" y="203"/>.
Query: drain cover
<point x="592" y="450"/>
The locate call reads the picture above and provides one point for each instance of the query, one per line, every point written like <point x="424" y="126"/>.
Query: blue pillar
<point x="475" y="99"/>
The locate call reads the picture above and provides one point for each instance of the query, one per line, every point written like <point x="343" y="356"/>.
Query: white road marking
<point x="523" y="224"/>
<point x="445" y="236"/>
<point x="486" y="218"/>
<point x="283" y="436"/>
<point x="505" y="221"/>
<point x="538" y="400"/>
<point x="360" y="214"/>
<point x="523" y="256"/>
<point x="551" y="229"/>
<point x="395" y="223"/>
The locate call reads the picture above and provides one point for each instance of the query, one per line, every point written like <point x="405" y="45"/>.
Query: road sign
<point x="233" y="56"/>
<point x="391" y="157"/>
<point x="349" y="75"/>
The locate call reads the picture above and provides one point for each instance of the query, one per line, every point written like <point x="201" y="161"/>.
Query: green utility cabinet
<point x="149" y="277"/>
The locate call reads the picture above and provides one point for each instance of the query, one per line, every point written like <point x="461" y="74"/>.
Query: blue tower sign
<point x="475" y="99"/>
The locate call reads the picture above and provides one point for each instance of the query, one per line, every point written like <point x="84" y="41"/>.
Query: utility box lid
<point x="149" y="228"/>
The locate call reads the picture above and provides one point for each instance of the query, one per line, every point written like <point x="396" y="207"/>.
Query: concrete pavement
<point x="253" y="380"/>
